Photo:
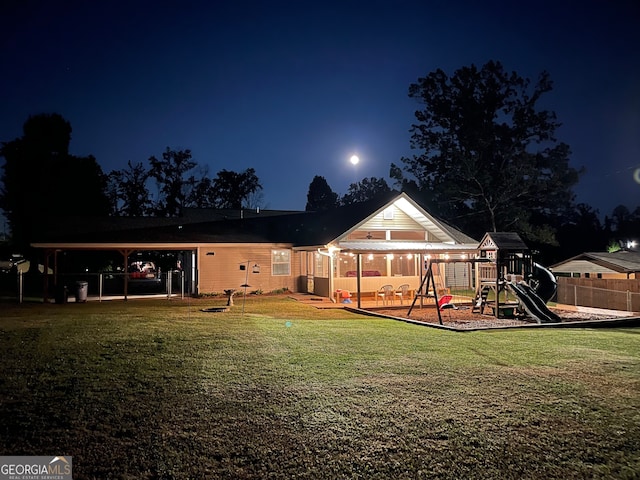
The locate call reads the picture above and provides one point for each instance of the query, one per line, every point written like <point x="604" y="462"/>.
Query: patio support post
<point x="125" y="254"/>
<point x="45" y="295"/>
<point x="497" y="313"/>
<point x="331" y="283"/>
<point x="358" y="275"/>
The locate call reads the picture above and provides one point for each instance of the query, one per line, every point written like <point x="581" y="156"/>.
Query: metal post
<point x="20" y="287"/>
<point x="182" y="284"/>
<point x="169" y="285"/>
<point x="575" y="295"/>
<point x="100" y="287"/>
<point x="246" y="284"/>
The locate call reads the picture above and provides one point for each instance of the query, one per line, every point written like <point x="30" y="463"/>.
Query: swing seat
<point x="444" y="302"/>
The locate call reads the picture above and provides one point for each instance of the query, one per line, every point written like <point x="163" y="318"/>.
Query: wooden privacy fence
<point x="612" y="294"/>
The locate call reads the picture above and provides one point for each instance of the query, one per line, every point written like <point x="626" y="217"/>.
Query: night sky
<point x="293" y="89"/>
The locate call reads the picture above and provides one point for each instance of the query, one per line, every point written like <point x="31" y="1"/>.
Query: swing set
<point x="443" y="290"/>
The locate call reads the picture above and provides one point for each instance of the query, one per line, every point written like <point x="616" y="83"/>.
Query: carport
<point x="52" y="250"/>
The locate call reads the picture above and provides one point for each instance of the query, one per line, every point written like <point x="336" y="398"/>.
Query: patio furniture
<point x="385" y="293"/>
<point x="402" y="291"/>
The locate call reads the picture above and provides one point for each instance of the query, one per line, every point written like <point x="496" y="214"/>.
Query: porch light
<point x="409" y="256"/>
<point x="370" y="256"/>
<point x="446" y="256"/>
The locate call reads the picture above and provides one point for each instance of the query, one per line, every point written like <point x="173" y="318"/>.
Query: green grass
<point x="159" y="389"/>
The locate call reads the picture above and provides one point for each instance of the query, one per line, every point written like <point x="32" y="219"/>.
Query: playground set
<point x="506" y="280"/>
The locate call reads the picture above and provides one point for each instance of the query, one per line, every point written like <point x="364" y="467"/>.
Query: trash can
<point x="62" y="294"/>
<point x="81" y="291"/>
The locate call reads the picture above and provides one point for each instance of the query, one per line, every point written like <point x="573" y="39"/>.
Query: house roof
<point x="286" y="227"/>
<point x="64" y="227"/>
<point x="600" y="262"/>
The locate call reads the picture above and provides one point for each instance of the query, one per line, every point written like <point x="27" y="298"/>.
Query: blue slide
<point x="535" y="306"/>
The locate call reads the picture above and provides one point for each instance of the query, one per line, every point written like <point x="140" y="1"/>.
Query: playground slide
<point x="532" y="303"/>
<point x="547" y="283"/>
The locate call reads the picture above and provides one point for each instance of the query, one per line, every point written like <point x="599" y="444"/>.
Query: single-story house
<point x="357" y="248"/>
<point x="617" y="265"/>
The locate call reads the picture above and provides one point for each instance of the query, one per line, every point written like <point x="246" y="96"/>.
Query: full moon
<point x="354" y="159"/>
<point x="636" y="175"/>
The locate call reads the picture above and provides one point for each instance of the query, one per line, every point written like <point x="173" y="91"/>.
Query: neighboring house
<point x="358" y="247"/>
<point x="616" y="265"/>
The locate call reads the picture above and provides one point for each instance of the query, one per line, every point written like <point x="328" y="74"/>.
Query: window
<point x="374" y="265"/>
<point x="320" y="270"/>
<point x="403" y="265"/>
<point x="280" y="262"/>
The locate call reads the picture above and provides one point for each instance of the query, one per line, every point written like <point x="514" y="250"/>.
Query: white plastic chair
<point x="402" y="291"/>
<point x="385" y="293"/>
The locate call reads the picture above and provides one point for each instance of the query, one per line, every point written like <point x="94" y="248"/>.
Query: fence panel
<point x="612" y="294"/>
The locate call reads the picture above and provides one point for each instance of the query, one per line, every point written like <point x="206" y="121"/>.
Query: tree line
<point x="487" y="159"/>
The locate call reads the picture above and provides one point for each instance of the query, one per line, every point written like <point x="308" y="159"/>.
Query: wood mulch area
<point x="464" y="318"/>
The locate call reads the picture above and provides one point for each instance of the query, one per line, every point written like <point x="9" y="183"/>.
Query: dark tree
<point x="580" y="231"/>
<point x="624" y="226"/>
<point x="233" y="189"/>
<point x="128" y="191"/>
<point x="169" y="173"/>
<point x="367" y="189"/>
<point x="202" y="195"/>
<point x="490" y="160"/>
<point x="320" y="196"/>
<point x="621" y="218"/>
<point x="41" y="180"/>
<point x="228" y="190"/>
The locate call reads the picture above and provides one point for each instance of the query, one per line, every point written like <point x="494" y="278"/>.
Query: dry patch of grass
<point x="157" y="389"/>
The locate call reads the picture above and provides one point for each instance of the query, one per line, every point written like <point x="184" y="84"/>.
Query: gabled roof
<point x="621" y="262"/>
<point x="438" y="228"/>
<point x="504" y="241"/>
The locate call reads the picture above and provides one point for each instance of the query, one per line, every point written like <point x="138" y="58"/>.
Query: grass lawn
<point x="159" y="389"/>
